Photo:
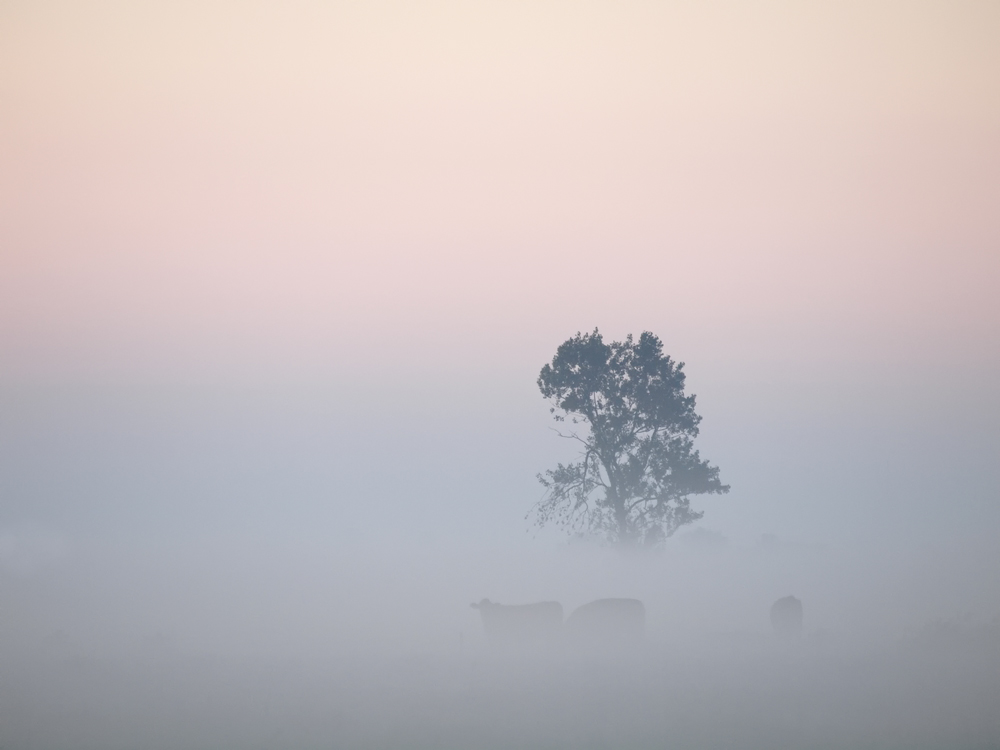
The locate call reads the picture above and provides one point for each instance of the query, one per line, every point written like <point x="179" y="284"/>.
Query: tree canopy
<point x="624" y="403"/>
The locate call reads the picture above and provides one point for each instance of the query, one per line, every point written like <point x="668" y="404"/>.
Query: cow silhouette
<point x="607" y="624"/>
<point x="520" y="625"/>
<point x="786" y="618"/>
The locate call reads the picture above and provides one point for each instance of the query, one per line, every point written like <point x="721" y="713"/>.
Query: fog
<point x="277" y="566"/>
<point x="276" y="284"/>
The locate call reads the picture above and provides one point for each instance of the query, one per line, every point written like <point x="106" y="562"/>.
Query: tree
<point x="624" y="403"/>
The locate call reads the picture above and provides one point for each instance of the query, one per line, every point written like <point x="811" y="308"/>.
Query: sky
<point x="222" y="192"/>
<point x="296" y="266"/>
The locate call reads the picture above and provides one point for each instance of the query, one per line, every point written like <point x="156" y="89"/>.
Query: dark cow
<point x="786" y="618"/>
<point x="519" y="625"/>
<point x="607" y="624"/>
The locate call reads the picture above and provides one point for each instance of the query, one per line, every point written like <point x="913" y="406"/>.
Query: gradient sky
<point x="799" y="199"/>
<point x="200" y="192"/>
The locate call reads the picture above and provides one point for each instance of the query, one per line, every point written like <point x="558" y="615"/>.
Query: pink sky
<point x="291" y="189"/>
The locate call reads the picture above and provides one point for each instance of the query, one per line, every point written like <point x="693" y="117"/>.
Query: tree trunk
<point x="621" y="516"/>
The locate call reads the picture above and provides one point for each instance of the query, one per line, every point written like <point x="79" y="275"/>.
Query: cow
<point x="607" y="624"/>
<point x="786" y="618"/>
<point x="520" y="625"/>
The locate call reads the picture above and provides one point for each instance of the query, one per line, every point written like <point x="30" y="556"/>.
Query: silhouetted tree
<point x="626" y="406"/>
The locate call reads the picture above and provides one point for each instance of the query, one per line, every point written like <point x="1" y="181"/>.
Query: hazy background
<point x="276" y="282"/>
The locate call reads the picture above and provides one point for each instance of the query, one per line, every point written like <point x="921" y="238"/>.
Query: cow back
<point x="786" y="617"/>
<point x="607" y="624"/>
<point x="520" y="625"/>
